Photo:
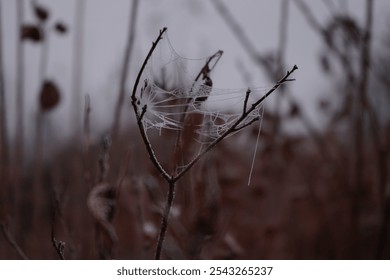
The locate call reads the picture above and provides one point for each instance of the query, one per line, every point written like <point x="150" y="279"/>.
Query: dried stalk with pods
<point x="172" y="178"/>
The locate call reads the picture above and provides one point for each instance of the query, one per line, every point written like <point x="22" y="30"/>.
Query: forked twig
<point x="139" y="115"/>
<point x="236" y="126"/>
<point x="172" y="179"/>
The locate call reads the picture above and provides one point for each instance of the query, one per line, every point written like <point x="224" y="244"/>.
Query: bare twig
<point x="172" y="179"/>
<point x="12" y="241"/>
<point x="164" y="219"/>
<point x="234" y="127"/>
<point x="248" y="92"/>
<point x="154" y="45"/>
<point x="139" y="115"/>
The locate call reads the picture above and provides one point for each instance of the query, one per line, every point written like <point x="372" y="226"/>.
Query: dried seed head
<point x="31" y="33"/>
<point x="41" y="13"/>
<point x="61" y="28"/>
<point x="101" y="202"/>
<point x="49" y="96"/>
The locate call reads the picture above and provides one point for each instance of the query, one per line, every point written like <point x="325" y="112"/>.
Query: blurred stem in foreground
<point x="78" y="67"/>
<point x="3" y="115"/>
<point x="3" y="131"/>
<point x="19" y="110"/>
<point x="125" y="70"/>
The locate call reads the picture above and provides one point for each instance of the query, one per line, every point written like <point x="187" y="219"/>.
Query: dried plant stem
<point x="139" y="114"/>
<point x="19" y="110"/>
<point x="164" y="220"/>
<point x="125" y="69"/>
<point x="78" y="65"/>
<point x="87" y="142"/>
<point x="236" y="28"/>
<point x="315" y="135"/>
<point x="358" y="118"/>
<point x="172" y="179"/>
<point x="3" y="130"/>
<point x="237" y="126"/>
<point x="58" y="245"/>
<point x="3" y="115"/>
<point x="41" y="116"/>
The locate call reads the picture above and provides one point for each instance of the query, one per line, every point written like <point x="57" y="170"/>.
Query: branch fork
<point x="238" y="125"/>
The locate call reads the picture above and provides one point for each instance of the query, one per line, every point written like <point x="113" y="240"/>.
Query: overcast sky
<point x="195" y="30"/>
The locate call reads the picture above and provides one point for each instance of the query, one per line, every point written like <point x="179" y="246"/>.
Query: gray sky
<point x="195" y="30"/>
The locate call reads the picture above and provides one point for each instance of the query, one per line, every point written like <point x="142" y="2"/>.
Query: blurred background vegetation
<point x="320" y="185"/>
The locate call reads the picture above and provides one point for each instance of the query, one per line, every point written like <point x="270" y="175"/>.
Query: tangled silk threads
<point x="176" y="88"/>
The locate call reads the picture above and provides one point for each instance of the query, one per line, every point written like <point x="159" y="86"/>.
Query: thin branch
<point x="139" y="115"/>
<point x="144" y="109"/>
<point x="125" y="69"/>
<point x="247" y="124"/>
<point x="236" y="28"/>
<point x="154" y="45"/>
<point x="172" y="179"/>
<point x="19" y="110"/>
<point x="150" y="150"/>
<point x="262" y="63"/>
<point x="3" y="114"/>
<point x="233" y="128"/>
<point x="78" y="65"/>
<point x="12" y="241"/>
<point x="362" y="85"/>
<point x="164" y="221"/>
<point x="248" y="92"/>
<point x="309" y="15"/>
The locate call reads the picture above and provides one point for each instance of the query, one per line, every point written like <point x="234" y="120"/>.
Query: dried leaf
<point x="102" y="203"/>
<point x="61" y="28"/>
<point x="49" y="96"/>
<point x="31" y="32"/>
<point x="41" y="13"/>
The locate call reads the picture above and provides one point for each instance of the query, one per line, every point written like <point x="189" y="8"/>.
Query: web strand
<point x="177" y="96"/>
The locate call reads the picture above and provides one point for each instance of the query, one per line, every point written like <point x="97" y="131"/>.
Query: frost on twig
<point x="171" y="95"/>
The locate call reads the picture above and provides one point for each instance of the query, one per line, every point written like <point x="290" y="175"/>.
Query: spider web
<point x="176" y="96"/>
